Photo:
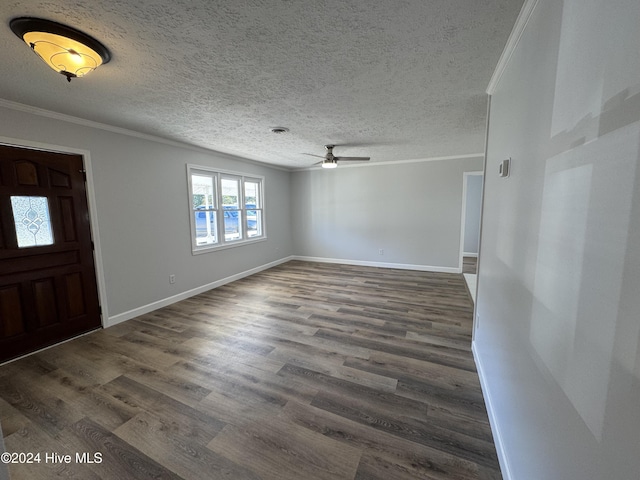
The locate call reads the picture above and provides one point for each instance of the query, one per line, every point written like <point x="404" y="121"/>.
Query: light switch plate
<point x="504" y="169"/>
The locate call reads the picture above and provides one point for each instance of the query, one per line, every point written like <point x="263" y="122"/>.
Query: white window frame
<point x="222" y="242"/>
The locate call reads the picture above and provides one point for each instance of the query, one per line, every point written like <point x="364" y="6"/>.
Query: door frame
<point x="91" y="201"/>
<point x="465" y="178"/>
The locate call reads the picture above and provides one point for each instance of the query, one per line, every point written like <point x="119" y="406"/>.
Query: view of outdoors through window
<point x="204" y="209"/>
<point x="254" y="208"/>
<point x="225" y="201"/>
<point x="231" y="206"/>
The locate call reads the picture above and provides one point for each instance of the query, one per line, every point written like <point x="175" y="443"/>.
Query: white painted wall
<point x="558" y="334"/>
<point x="140" y="188"/>
<point x="410" y="210"/>
<point x="473" y="208"/>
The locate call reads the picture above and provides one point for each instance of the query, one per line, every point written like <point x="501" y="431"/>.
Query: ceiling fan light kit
<point x="66" y="50"/>
<point x="331" y="161"/>
<point x="329" y="164"/>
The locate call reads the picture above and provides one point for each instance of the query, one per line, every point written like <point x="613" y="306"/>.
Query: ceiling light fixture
<point x="329" y="163"/>
<point x="279" y="130"/>
<point x="66" y="50"/>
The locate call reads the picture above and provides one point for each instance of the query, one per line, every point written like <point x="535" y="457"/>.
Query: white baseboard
<point x="136" y="312"/>
<point x="469" y="254"/>
<point x="493" y="422"/>
<point x="363" y="263"/>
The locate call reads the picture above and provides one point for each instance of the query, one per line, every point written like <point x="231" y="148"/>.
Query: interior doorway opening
<point x="470" y="229"/>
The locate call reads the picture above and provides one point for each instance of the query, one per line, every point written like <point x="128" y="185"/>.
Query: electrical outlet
<point x="381" y="251"/>
<point x="172" y="279"/>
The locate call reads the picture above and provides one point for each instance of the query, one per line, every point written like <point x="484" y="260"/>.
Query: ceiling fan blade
<point x="354" y="159"/>
<point x="312" y="155"/>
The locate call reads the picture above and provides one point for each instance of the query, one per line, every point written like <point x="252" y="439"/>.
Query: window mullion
<point x="241" y="205"/>
<point x="220" y="216"/>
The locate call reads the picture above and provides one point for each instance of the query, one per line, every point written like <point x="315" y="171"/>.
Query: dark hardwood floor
<point x="304" y="371"/>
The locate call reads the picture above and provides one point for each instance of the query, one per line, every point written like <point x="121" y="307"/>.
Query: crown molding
<point x="153" y="138"/>
<point x="20" y="107"/>
<point x="512" y="43"/>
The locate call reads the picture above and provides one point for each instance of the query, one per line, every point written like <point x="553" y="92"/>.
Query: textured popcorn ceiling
<point x="394" y="80"/>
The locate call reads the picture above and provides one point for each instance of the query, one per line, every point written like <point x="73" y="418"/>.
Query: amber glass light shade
<point x="66" y="50"/>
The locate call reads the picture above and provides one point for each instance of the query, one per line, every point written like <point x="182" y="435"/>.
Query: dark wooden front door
<point x="48" y="289"/>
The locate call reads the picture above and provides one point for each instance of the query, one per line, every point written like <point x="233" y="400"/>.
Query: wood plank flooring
<point x="469" y="265"/>
<point x="304" y="371"/>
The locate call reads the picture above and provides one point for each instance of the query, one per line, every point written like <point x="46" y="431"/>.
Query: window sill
<point x="224" y="246"/>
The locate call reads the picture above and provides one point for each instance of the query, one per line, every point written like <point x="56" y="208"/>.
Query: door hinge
<point x="100" y="309"/>
<point x="84" y="174"/>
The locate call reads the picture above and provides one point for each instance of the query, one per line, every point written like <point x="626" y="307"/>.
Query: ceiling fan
<point x="331" y="161"/>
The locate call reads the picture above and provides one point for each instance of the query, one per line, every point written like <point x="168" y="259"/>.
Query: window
<point x="204" y="209"/>
<point x="227" y="208"/>
<point x="253" y="205"/>
<point x="32" y="222"/>
<point x="231" y="206"/>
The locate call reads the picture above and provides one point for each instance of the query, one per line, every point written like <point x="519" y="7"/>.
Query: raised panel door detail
<point x="31" y="263"/>
<point x="12" y="320"/>
<point x="59" y="179"/>
<point x="75" y="295"/>
<point x="67" y="212"/>
<point x="44" y="292"/>
<point x="26" y="174"/>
